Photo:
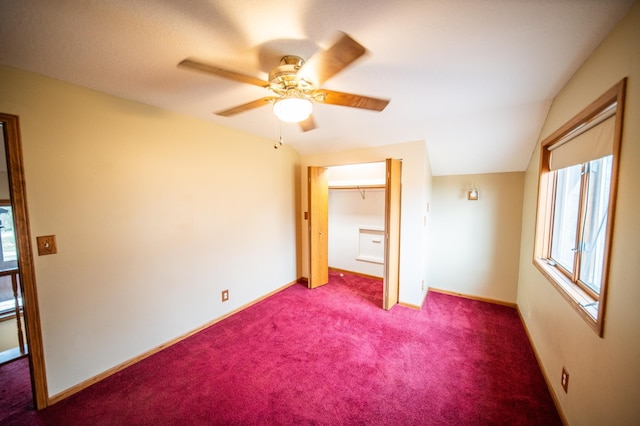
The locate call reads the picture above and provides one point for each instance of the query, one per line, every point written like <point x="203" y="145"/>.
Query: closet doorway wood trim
<point x="17" y="189"/>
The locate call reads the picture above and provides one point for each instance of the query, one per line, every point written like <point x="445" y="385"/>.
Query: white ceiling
<point x="473" y="78"/>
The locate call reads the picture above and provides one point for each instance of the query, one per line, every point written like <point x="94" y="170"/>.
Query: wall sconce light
<point x="473" y="194"/>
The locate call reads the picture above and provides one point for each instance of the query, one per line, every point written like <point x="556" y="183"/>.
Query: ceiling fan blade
<point x="350" y="100"/>
<point x="325" y="64"/>
<point x="221" y="72"/>
<point x="245" y="107"/>
<point x="308" y="124"/>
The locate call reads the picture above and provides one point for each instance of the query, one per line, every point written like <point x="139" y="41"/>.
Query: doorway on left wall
<point x="18" y="257"/>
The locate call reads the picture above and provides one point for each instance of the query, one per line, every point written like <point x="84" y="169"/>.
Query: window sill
<point x="584" y="304"/>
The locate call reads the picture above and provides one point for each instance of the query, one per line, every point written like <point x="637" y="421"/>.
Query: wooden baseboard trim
<point x="424" y="299"/>
<point x="419" y="308"/>
<point x="346" y="271"/>
<point x="554" y="396"/>
<point x="472" y="297"/>
<point x="95" y="379"/>
<point x="409" y="305"/>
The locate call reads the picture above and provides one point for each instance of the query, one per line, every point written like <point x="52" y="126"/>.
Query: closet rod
<point x="358" y="187"/>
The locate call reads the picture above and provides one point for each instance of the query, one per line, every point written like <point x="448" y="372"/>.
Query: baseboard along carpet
<point x="327" y="356"/>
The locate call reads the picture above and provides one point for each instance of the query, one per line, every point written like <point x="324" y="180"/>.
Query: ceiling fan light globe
<point x="292" y="110"/>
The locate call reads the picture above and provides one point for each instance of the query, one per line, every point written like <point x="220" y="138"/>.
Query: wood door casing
<point x="318" y="227"/>
<point x="13" y="147"/>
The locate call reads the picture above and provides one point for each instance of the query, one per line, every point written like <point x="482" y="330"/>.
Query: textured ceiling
<point x="473" y="78"/>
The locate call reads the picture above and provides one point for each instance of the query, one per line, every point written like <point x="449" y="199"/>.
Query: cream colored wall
<point x="9" y="334"/>
<point x="604" y="385"/>
<point x="416" y="193"/>
<point x="478" y="242"/>
<point x="155" y="214"/>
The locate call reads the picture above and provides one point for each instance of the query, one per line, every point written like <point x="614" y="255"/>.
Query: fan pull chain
<point x="279" y="143"/>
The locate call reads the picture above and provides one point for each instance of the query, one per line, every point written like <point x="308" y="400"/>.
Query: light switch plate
<point x="46" y="245"/>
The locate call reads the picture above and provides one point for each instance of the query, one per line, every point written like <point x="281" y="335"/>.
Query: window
<point x="576" y="201"/>
<point x="578" y="241"/>
<point x="8" y="261"/>
<point x="8" y="253"/>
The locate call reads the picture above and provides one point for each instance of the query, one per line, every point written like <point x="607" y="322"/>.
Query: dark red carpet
<point x="328" y="356"/>
<point x="15" y="390"/>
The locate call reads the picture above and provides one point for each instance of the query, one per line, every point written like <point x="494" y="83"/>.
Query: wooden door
<point x="318" y="227"/>
<point x="392" y="233"/>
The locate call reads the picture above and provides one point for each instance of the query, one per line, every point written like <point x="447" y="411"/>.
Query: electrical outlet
<point x="565" y="380"/>
<point x="225" y="295"/>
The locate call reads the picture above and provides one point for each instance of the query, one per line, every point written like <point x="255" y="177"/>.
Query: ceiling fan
<point x="295" y="83"/>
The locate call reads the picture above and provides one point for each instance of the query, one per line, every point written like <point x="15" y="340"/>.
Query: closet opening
<point x="354" y="212"/>
<point x="356" y="218"/>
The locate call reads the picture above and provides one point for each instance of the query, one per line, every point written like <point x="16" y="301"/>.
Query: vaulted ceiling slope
<point x="473" y="78"/>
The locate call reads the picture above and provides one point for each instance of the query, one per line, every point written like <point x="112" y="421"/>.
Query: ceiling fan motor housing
<point x="284" y="78"/>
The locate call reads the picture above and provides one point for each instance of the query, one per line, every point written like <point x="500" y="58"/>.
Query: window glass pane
<point x="595" y="224"/>
<point x="8" y="251"/>
<point x="565" y="219"/>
